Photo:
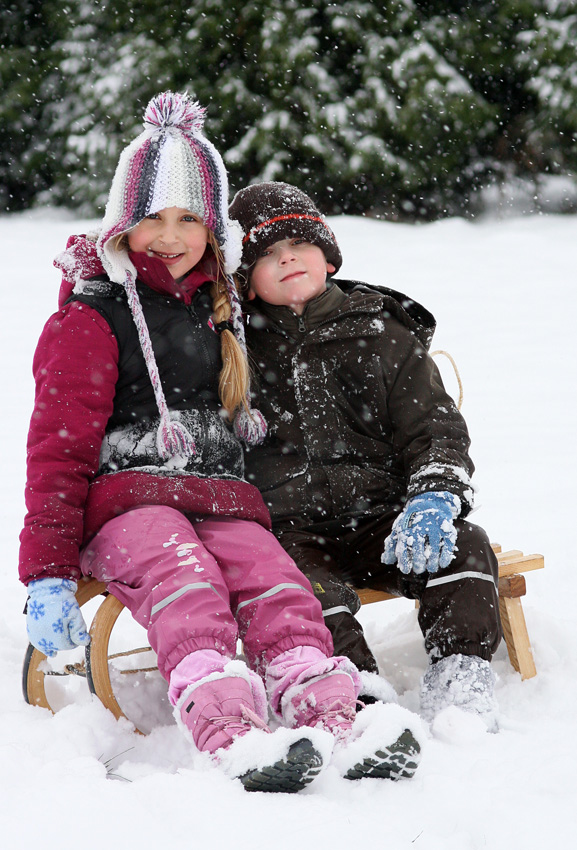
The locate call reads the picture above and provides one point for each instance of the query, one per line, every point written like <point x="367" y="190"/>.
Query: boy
<point x="365" y="468"/>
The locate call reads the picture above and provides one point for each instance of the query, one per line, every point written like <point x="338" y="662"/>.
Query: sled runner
<point x="97" y="666"/>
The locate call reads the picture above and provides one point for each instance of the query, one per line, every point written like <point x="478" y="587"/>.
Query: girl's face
<point x="175" y="236"/>
<point x="290" y="273"/>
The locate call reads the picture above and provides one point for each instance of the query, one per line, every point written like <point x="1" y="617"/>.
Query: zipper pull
<point x="302" y="326"/>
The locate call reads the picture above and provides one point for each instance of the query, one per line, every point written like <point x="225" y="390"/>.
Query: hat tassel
<point x="250" y="426"/>
<point x="173" y="439"/>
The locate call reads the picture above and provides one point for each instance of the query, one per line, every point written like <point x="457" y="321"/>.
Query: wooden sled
<point x="95" y="669"/>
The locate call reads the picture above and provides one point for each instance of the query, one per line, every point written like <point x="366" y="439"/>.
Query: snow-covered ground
<point x="505" y="297"/>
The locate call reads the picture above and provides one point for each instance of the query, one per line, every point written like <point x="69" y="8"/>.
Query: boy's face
<point x="290" y="273"/>
<point x="174" y="236"/>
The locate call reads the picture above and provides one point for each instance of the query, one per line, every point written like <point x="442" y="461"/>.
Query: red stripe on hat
<point x="285" y="218"/>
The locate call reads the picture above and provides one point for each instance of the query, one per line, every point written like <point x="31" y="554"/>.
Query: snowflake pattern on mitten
<point x="54" y="620"/>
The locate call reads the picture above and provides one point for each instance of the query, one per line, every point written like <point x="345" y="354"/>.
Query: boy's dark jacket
<point x="357" y="413"/>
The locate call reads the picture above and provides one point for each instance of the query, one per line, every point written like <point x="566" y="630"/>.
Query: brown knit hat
<point x="270" y="212"/>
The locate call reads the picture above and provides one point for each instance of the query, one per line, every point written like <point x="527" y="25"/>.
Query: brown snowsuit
<point x="359" y="421"/>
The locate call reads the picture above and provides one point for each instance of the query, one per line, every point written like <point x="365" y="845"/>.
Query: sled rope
<point x="133" y="652"/>
<point x="458" y="377"/>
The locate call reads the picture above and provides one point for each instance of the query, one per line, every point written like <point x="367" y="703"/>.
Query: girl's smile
<point x="168" y="259"/>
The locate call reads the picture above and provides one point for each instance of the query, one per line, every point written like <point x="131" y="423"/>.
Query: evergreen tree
<point x="30" y="151"/>
<point x="402" y="107"/>
<point x="549" y="59"/>
<point x="315" y="123"/>
<point x="115" y="57"/>
<point x="483" y="42"/>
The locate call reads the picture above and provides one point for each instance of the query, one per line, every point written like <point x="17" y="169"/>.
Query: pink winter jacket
<point x="76" y="369"/>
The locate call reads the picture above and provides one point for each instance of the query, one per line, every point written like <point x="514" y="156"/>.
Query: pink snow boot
<point x="326" y="702"/>
<point x="219" y="714"/>
<point x="219" y="711"/>
<point x="375" y="743"/>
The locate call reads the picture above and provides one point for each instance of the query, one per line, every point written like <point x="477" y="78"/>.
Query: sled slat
<point x="517" y="637"/>
<point x="522" y="564"/>
<point x="512" y="587"/>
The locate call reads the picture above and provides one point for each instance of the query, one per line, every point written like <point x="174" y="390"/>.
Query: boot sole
<point x="399" y="761"/>
<point x="294" y="772"/>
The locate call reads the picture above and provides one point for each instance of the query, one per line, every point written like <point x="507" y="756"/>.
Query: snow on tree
<point x="401" y="108"/>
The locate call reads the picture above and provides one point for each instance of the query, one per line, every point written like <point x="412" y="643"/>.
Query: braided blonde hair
<point x="234" y="380"/>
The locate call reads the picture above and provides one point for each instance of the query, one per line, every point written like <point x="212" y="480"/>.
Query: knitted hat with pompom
<point x="172" y="164"/>
<point x="271" y="212"/>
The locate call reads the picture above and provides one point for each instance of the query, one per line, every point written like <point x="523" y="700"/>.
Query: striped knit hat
<point x="172" y="164"/>
<point x="270" y="212"/>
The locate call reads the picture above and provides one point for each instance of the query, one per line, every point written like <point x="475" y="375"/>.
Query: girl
<point x="135" y="478"/>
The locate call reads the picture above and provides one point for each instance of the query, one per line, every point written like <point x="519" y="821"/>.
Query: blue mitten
<point x="53" y="617"/>
<point x="423" y="536"/>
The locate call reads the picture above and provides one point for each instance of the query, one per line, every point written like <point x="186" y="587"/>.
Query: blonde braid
<point x="234" y="380"/>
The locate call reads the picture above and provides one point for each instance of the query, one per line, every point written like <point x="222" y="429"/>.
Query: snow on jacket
<point x="358" y="417"/>
<point x="92" y="441"/>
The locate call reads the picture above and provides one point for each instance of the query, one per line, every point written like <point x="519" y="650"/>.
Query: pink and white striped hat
<point x="172" y="164"/>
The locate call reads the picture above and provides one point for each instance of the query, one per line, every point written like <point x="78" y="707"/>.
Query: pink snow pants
<point x="202" y="584"/>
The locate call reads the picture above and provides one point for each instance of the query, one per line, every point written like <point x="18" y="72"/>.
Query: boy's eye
<point x="298" y="241"/>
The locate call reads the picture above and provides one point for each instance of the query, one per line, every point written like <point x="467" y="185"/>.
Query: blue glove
<point x="53" y="618"/>
<point x="423" y="536"/>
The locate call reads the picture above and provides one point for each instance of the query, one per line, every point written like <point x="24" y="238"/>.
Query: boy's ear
<point x="330" y="268"/>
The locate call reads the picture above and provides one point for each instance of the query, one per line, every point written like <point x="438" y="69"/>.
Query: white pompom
<point x="170" y="109"/>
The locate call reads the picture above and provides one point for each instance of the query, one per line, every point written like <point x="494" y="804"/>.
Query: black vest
<point x="187" y="352"/>
<point x="175" y="329"/>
